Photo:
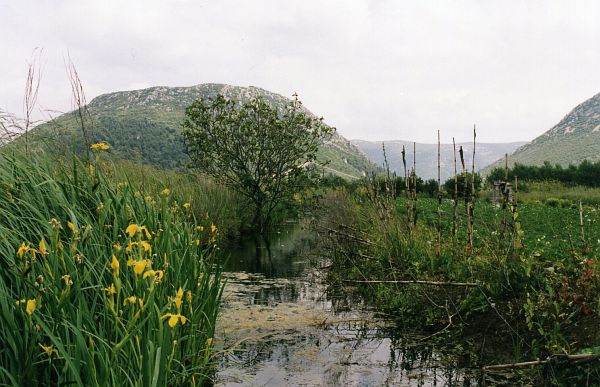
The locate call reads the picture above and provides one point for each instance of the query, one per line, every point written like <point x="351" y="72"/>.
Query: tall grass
<point x="101" y="283"/>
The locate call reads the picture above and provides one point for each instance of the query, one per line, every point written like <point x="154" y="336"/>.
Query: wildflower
<point x="49" y="349"/>
<point x="199" y="228"/>
<point x="117" y="247"/>
<point x="114" y="265"/>
<point x="23" y="250"/>
<point x="111" y="289"/>
<point x="67" y="279"/>
<point x="165" y="192"/>
<point x="157" y="274"/>
<point x="130" y="300"/>
<point x="132" y="229"/>
<point x="71" y="227"/>
<point x="55" y="223"/>
<point x="42" y="247"/>
<point x="21" y="301"/>
<point x="139" y="265"/>
<point x="178" y="298"/>
<point x="146" y="246"/>
<point x="188" y="296"/>
<point x="91" y="169"/>
<point x="30" y="306"/>
<point x="101" y="146"/>
<point x="174" y="319"/>
<point x="213" y="228"/>
<point x="209" y="341"/>
<point x="186" y="206"/>
<point x="146" y="232"/>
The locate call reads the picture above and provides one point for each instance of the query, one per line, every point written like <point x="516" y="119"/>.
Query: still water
<point x="280" y="326"/>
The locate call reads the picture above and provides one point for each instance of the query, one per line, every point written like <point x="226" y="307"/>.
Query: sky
<point x="376" y="70"/>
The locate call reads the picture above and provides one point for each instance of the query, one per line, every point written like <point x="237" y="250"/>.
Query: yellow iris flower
<point x="174" y="319"/>
<point x="101" y="146"/>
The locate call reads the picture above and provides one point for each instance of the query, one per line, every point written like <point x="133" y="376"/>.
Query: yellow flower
<point x="213" y="228"/>
<point x="188" y="295"/>
<point x="146" y="246"/>
<point x="101" y="146"/>
<point x="49" y="349"/>
<point x="174" y="319"/>
<point x="23" y="250"/>
<point x="71" y="227"/>
<point x="139" y="265"/>
<point x="178" y="298"/>
<point x="158" y="275"/>
<point x="111" y="289"/>
<point x="30" y="307"/>
<point x="129" y="300"/>
<point x="91" y="169"/>
<point x="132" y="229"/>
<point x="209" y="341"/>
<point x="199" y="228"/>
<point x="67" y="279"/>
<point x="186" y="206"/>
<point x="43" y="247"/>
<point x="146" y="232"/>
<point x="114" y="265"/>
<point x="117" y="247"/>
<point x="165" y="192"/>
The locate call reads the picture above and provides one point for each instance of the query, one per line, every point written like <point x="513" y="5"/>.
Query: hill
<point x="485" y="153"/>
<point x="574" y="139"/>
<point x="145" y="126"/>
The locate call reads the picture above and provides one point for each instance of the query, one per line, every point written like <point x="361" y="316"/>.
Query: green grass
<point x="537" y="279"/>
<point x="67" y="315"/>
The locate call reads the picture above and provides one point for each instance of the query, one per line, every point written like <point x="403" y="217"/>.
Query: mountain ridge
<point x="145" y="125"/>
<point x="576" y="137"/>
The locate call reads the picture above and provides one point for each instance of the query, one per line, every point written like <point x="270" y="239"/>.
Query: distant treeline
<point x="587" y="173"/>
<point x="427" y="188"/>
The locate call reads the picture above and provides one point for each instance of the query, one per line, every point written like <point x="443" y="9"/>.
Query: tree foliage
<point x="587" y="173"/>
<point x="263" y="153"/>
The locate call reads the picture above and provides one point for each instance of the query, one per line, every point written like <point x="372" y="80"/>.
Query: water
<point x="280" y="326"/>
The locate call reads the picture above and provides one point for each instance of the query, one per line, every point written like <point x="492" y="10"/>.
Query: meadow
<point x="109" y="273"/>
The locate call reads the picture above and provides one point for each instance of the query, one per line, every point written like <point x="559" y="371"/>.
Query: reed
<point x="102" y="284"/>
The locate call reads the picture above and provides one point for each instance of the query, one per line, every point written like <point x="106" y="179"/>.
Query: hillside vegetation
<point x="574" y="139"/>
<point x="145" y="126"/>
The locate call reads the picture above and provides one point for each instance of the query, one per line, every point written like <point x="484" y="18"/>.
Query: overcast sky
<point x="374" y="69"/>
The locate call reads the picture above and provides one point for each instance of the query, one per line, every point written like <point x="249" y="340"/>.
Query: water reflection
<point x="280" y="326"/>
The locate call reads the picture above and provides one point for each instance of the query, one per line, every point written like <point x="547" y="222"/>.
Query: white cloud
<point x="375" y="69"/>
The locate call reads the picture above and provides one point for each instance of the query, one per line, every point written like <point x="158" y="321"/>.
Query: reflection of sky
<point x="352" y="348"/>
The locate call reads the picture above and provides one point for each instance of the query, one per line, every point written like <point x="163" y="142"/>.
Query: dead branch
<point x="584" y="357"/>
<point x="419" y="282"/>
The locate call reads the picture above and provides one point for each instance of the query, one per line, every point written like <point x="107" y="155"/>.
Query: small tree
<point x="264" y="153"/>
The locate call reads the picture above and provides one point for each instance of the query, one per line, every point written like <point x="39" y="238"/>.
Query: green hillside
<point x="574" y="139"/>
<point x="145" y="125"/>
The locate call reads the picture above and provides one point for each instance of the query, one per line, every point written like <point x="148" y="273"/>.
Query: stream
<point x="279" y="326"/>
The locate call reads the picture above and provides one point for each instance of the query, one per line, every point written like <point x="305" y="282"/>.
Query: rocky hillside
<point x="485" y="154"/>
<point x="574" y="139"/>
<point x="145" y="125"/>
